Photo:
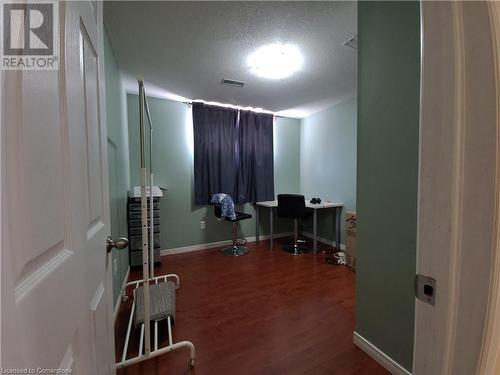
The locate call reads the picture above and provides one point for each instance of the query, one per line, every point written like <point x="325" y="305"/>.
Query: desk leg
<point x="257" y="224"/>
<point x="271" y="226"/>
<point x="315" y="231"/>
<point x="338" y="211"/>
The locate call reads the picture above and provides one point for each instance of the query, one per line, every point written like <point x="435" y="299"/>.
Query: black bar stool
<point x="235" y="249"/>
<point x="293" y="206"/>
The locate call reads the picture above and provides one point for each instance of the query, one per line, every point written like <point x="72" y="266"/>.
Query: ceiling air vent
<point x="232" y="82"/>
<point x="352" y="42"/>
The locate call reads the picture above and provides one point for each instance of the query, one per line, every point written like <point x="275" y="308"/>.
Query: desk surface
<point x="308" y="204"/>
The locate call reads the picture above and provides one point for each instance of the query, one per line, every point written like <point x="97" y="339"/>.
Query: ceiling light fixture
<point x="275" y="61"/>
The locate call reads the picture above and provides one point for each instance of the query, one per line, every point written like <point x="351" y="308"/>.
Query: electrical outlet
<point x="115" y="266"/>
<point x="203" y="224"/>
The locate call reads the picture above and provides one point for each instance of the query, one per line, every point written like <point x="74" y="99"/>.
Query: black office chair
<point x="293" y="206"/>
<point x="235" y="249"/>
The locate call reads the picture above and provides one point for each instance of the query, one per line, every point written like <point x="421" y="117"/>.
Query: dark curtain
<point x="255" y="157"/>
<point x="215" y="163"/>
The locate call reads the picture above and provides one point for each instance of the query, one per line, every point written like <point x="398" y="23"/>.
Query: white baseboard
<point x="387" y="362"/>
<point x="118" y="302"/>
<point x="326" y="241"/>
<point x="211" y="245"/>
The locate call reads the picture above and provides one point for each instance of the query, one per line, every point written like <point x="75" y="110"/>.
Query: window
<point x="233" y="154"/>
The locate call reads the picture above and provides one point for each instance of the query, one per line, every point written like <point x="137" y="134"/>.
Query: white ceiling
<point x="184" y="49"/>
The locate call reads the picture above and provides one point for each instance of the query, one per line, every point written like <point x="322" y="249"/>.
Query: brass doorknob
<point x="120" y="243"/>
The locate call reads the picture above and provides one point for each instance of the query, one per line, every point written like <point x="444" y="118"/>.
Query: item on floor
<point x="351" y="221"/>
<point x="331" y="255"/>
<point x="337" y="258"/>
<point x="154" y="297"/>
<point x="236" y="249"/>
<point x="315" y="201"/>
<point x="293" y="206"/>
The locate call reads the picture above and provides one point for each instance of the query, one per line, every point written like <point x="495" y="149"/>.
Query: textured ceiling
<point x="184" y="49"/>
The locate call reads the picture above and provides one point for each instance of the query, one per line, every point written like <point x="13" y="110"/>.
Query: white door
<point x="457" y="184"/>
<point x="56" y="284"/>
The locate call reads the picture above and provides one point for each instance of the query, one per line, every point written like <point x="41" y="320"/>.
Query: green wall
<point x="118" y="163"/>
<point x="388" y="129"/>
<point x="173" y="169"/>
<point x="328" y="162"/>
<point x="286" y="155"/>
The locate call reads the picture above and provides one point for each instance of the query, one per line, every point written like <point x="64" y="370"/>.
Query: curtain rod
<point x="239" y="109"/>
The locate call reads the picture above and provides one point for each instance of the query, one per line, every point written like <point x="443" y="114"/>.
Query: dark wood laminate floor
<point x="263" y="313"/>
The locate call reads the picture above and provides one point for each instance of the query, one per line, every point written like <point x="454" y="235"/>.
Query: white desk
<point x="323" y="205"/>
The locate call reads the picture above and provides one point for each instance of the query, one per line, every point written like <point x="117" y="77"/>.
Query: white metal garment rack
<point x="144" y="351"/>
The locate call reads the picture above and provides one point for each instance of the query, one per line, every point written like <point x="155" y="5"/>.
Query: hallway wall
<point x="388" y="141"/>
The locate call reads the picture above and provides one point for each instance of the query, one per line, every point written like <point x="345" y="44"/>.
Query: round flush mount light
<point x="275" y="61"/>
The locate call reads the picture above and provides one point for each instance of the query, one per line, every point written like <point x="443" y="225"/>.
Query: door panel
<point x="40" y="163"/>
<point x="92" y="157"/>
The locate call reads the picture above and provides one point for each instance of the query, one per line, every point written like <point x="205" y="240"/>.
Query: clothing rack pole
<point x="151" y="199"/>
<point x="144" y="219"/>
<point x="151" y="219"/>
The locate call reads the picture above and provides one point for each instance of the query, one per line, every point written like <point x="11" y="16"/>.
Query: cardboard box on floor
<point x="350" y="246"/>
